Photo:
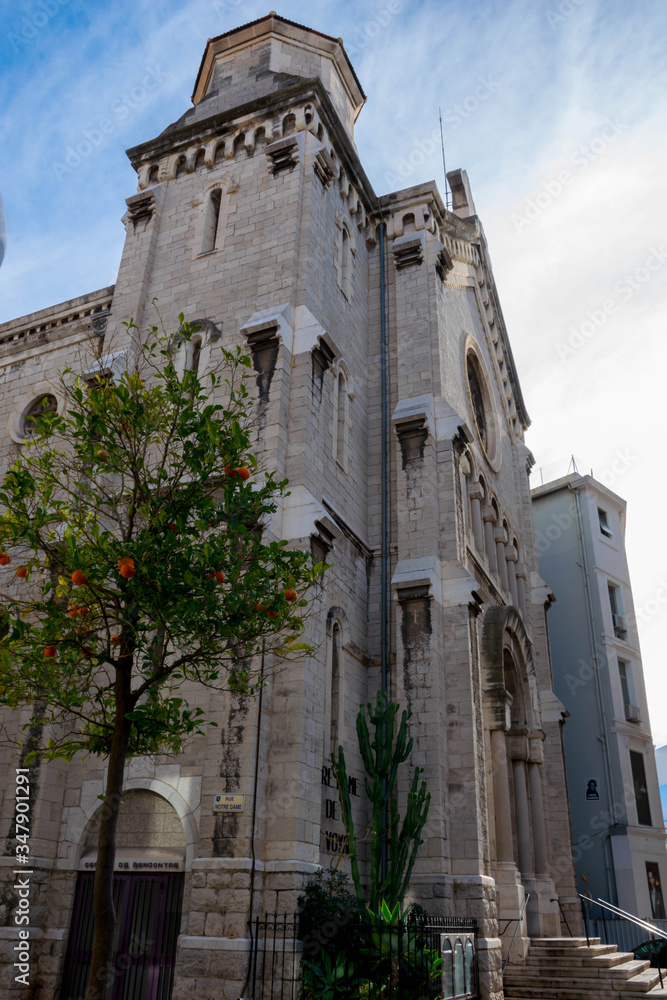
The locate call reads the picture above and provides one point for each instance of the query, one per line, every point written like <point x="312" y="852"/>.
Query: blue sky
<point x="557" y="110"/>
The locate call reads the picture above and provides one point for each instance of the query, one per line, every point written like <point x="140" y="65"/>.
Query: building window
<point x="44" y="404"/>
<point x="336" y="658"/>
<point x="200" y="159"/>
<point x="193" y="355"/>
<point x="180" y="167"/>
<point x="344" y="258"/>
<point x="477" y="398"/>
<point x="341" y="421"/>
<point x="211" y="221"/>
<point x="604" y="525"/>
<point x="153" y="174"/>
<point x="641" y="789"/>
<point x="623" y="673"/>
<point x="617" y="619"/>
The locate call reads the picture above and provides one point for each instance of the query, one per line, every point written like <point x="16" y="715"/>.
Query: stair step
<point x="604" y="961"/>
<point x="561" y="942"/>
<point x="624" y="969"/>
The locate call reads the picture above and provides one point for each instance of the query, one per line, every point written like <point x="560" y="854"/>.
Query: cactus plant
<point x="381" y="758"/>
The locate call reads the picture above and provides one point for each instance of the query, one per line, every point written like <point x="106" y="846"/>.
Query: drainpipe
<point x="384" y="485"/>
<point x="602" y="715"/>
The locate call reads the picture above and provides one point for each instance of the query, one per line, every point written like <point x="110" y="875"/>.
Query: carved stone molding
<point x="408" y="254"/>
<point x="282" y="155"/>
<point x="324" y="168"/>
<point x="140" y="207"/>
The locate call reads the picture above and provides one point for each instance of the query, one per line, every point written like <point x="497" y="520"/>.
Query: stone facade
<point x="253" y="213"/>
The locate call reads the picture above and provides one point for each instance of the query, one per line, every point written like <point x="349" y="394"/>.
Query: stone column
<point x="521" y="586"/>
<point x="523" y="818"/>
<point x="476" y="495"/>
<point x="511" y="558"/>
<point x="489" y="520"/>
<point x="537" y="816"/>
<point x="500" y="536"/>
<point x="501" y="797"/>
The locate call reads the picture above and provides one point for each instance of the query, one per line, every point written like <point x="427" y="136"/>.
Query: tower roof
<point x="299" y="36"/>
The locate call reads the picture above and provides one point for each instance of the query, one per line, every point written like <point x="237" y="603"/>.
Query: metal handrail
<point x="555" y="899"/>
<point x="518" y="924"/>
<point x="644" y="924"/>
<point x="630" y="917"/>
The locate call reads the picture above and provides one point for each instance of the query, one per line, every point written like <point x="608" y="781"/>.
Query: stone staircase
<point x="569" y="969"/>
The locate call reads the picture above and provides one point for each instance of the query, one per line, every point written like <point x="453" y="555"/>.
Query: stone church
<point x="387" y="395"/>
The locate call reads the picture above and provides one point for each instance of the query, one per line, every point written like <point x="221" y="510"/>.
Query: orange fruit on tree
<point x="229" y="471"/>
<point x="126" y="567"/>
<point x="272" y="614"/>
<point x="290" y="595"/>
<point x="49" y="651"/>
<point x="5" y="559"/>
<point x="22" y="572"/>
<point x="115" y="639"/>
<point x="78" y="578"/>
<point x="217" y="575"/>
<point x="243" y="472"/>
<point x="101" y="456"/>
<point x="258" y="608"/>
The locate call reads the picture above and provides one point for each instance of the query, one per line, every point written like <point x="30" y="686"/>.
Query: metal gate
<point x="148" y="909"/>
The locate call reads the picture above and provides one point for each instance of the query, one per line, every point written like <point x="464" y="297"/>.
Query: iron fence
<point x="425" y="958"/>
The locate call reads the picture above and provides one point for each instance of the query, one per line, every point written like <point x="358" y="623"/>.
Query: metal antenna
<point x="448" y="201"/>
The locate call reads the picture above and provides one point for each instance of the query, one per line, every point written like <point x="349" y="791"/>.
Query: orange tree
<point x="136" y="566"/>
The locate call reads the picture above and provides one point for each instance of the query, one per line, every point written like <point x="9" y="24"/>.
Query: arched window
<point x="43" y="404"/>
<point x="336" y="657"/>
<point x="219" y="153"/>
<point x="153" y="174"/>
<point x="259" y="137"/>
<point x="180" y="166"/>
<point x="239" y="144"/>
<point x="194" y="355"/>
<point x="211" y="221"/>
<point x="289" y="124"/>
<point x="345" y="261"/>
<point x="341" y="417"/>
<point x="200" y="159"/>
<point x="476" y="397"/>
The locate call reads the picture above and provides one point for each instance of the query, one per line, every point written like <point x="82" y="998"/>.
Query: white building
<point x="617" y="825"/>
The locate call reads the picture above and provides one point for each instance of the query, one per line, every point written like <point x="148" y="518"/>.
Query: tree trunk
<point x="102" y="970"/>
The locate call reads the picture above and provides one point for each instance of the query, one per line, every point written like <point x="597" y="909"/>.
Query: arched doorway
<point x="148" y="893"/>
<point x="515" y="740"/>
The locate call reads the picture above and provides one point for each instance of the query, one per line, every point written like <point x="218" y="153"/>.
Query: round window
<point x="44" y="404"/>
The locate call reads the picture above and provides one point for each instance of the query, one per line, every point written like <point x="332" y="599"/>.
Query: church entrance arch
<point x="148" y="894"/>
<point x="512" y="717"/>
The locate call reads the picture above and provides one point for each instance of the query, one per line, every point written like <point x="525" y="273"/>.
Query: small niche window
<point x="193" y="355"/>
<point x="604" y="523"/>
<point x="345" y="255"/>
<point x="336" y="655"/>
<point x="200" y="159"/>
<point x="239" y="144"/>
<point x="153" y="174"/>
<point x="211" y="221"/>
<point x="180" y="167"/>
<point x="477" y="398"/>
<point x="219" y="153"/>
<point x="44" y="404"/>
<point x="341" y="421"/>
